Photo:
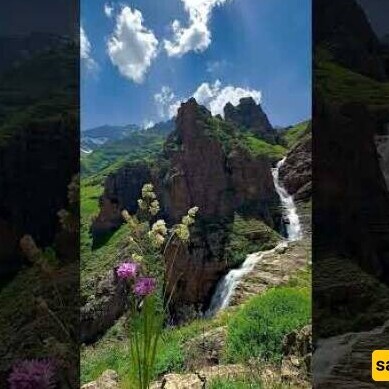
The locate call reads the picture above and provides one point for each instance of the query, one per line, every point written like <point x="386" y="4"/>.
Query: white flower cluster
<point x="158" y="232"/>
<point x="182" y="229"/>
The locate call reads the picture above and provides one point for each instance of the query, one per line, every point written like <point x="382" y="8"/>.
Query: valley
<point x="228" y="167"/>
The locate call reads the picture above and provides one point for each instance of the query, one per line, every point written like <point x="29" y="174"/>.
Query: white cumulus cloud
<point x="85" y="50"/>
<point x="212" y="95"/>
<point x="166" y="102"/>
<point x="196" y="36"/>
<point x="108" y="9"/>
<point x="132" y="47"/>
<point x="215" y="96"/>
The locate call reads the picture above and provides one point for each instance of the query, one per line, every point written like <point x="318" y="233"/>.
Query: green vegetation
<point x="292" y="135"/>
<point x="340" y="84"/>
<point x="35" y="99"/>
<point x="112" y="350"/>
<point x="241" y="383"/>
<point x="259" y="147"/>
<point x="258" y="328"/>
<point x="248" y="235"/>
<point x="139" y="146"/>
<point x="231" y="138"/>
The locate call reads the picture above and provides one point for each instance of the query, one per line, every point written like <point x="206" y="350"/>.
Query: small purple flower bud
<point x="127" y="270"/>
<point x="145" y="286"/>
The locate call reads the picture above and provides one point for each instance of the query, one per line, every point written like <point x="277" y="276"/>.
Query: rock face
<point x="297" y="356"/>
<point x="121" y="191"/>
<point x="202" y="379"/>
<point x="108" y="380"/>
<point x="352" y="202"/>
<point x="105" y="306"/>
<point x="206" y="349"/>
<point x="345" y="360"/>
<point x="342" y="27"/>
<point x="250" y="116"/>
<point x="296" y="172"/>
<point x="382" y="143"/>
<point x="197" y="169"/>
<point x="273" y="269"/>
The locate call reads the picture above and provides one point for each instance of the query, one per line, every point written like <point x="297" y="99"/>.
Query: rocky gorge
<point x="223" y="166"/>
<point x="204" y="163"/>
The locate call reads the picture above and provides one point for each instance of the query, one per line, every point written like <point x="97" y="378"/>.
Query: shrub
<point x="258" y="328"/>
<point x="169" y="358"/>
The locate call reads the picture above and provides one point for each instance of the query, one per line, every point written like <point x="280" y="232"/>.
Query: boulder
<point x="297" y="356"/>
<point x="104" y="307"/>
<point x="206" y="349"/>
<point x="108" y="380"/>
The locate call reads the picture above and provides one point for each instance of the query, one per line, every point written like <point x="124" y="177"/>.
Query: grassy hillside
<point x="29" y="96"/>
<point x="173" y="353"/>
<point x="230" y="137"/>
<point x="340" y="84"/>
<point x="139" y="145"/>
<point x="293" y="134"/>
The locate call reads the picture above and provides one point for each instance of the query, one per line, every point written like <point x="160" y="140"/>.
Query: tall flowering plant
<point x="149" y="299"/>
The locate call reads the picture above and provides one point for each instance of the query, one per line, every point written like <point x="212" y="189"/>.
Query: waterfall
<point x="227" y="285"/>
<point x="291" y="219"/>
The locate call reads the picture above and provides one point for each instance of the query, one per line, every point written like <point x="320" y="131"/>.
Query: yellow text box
<point x="380" y="365"/>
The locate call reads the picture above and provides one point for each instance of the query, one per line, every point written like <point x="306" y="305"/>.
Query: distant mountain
<point x="106" y="146"/>
<point x="94" y="138"/>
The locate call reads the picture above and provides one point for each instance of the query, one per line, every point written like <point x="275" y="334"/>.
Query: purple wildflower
<point x="127" y="270"/>
<point x="145" y="286"/>
<point x="32" y="374"/>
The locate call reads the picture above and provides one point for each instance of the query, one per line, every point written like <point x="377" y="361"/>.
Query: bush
<point x="169" y="358"/>
<point x="258" y="328"/>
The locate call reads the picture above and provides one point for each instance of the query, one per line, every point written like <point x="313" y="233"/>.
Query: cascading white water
<point x="226" y="286"/>
<point x="229" y="282"/>
<point x="292" y="223"/>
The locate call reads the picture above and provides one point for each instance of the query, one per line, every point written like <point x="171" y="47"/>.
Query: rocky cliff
<point x="352" y="202"/>
<point x="342" y="28"/>
<point x="296" y="172"/>
<point x="205" y="163"/>
<point x="250" y="116"/>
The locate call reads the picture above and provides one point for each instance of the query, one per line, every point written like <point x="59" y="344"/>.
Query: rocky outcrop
<point x="296" y="172"/>
<point x="382" y="143"/>
<point x="250" y="116"/>
<point x="198" y="168"/>
<point x="352" y="201"/>
<point x="345" y="360"/>
<point x="275" y="268"/>
<point x="201" y="379"/>
<point x="342" y="28"/>
<point x="206" y="349"/>
<point x="297" y="357"/>
<point x="121" y="191"/>
<point x="108" y="380"/>
<point x="104" y="307"/>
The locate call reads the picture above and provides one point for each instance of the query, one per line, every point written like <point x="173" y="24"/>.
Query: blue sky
<point x="221" y="49"/>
